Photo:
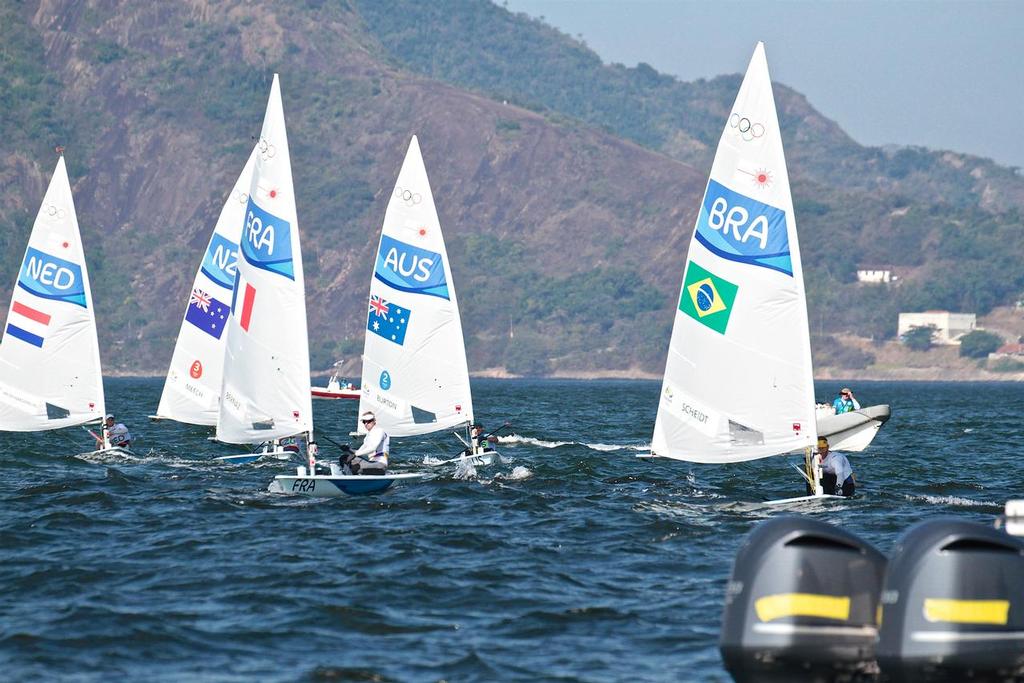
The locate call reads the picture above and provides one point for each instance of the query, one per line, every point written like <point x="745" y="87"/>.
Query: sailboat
<point x="50" y="373"/>
<point x="264" y="393"/>
<point x="738" y="381"/>
<point x="192" y="390"/>
<point x="415" y="377"/>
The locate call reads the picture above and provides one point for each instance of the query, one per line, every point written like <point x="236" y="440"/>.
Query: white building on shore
<point x="949" y="327"/>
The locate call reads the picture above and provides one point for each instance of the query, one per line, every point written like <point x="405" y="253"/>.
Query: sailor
<point x="845" y="402"/>
<point x="372" y="456"/>
<point x="481" y="442"/>
<point x="837" y="473"/>
<point x="117" y="434"/>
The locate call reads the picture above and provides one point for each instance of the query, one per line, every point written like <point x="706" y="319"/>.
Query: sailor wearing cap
<point x="372" y="456"/>
<point x="117" y="434"/>
<point x="845" y="402"/>
<point x="837" y="473"/>
<point x="481" y="442"/>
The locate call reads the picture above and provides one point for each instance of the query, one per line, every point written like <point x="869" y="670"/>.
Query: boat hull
<point x="244" y="458"/>
<point x="332" y="486"/>
<point x="324" y="392"/>
<point x="855" y="430"/>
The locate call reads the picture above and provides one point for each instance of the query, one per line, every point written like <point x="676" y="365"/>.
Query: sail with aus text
<point x="415" y="378"/>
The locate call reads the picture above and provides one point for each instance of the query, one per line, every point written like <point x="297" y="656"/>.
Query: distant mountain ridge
<point x="567" y="189"/>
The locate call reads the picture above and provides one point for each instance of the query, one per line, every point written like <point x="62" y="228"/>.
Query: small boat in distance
<point x="738" y="381"/>
<point x="337" y="388"/>
<point x="50" y="373"/>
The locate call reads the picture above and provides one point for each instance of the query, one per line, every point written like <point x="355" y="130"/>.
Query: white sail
<point x="415" y="376"/>
<point x="50" y="373"/>
<point x="265" y="393"/>
<point x="738" y="379"/>
<point x="192" y="390"/>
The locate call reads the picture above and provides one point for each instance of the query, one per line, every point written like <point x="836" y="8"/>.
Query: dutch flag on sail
<point x="27" y="324"/>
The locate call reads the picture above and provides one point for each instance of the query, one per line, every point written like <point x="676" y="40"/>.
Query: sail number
<point x="49" y="273"/>
<point x="260" y="236"/>
<point x="722" y="217"/>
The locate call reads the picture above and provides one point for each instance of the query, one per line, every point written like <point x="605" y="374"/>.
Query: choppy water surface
<point x="573" y="561"/>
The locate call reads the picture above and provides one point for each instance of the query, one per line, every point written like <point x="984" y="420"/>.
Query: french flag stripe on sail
<point x="243" y="309"/>
<point x="247" y="301"/>
<point x="29" y="326"/>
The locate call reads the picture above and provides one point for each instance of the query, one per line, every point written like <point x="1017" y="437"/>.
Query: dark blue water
<point x="574" y="561"/>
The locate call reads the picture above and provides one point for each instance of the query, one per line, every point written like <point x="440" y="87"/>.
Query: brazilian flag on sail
<point x="707" y="298"/>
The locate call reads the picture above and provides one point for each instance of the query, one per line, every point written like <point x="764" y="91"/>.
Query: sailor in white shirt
<point x="838" y="473"/>
<point x="372" y="456"/>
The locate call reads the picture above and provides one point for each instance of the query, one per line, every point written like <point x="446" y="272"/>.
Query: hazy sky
<point x="946" y="75"/>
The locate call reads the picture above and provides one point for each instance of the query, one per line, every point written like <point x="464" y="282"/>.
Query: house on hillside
<point x="1015" y="351"/>
<point x="876" y="274"/>
<point x="949" y="327"/>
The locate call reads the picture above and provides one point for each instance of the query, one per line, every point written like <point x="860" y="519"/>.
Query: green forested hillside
<point x="951" y="222"/>
<point x="567" y="188"/>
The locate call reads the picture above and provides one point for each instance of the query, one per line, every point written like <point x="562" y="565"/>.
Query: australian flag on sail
<point x="386" y="319"/>
<point x="207" y="313"/>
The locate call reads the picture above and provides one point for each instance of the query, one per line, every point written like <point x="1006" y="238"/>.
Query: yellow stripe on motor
<point x="781" y="605"/>
<point x="967" y="611"/>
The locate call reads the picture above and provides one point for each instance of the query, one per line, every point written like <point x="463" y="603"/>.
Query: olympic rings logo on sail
<point x="241" y="197"/>
<point x="747" y="129"/>
<point x="408" y="196"/>
<point x="267" y="150"/>
<point x="54" y="212"/>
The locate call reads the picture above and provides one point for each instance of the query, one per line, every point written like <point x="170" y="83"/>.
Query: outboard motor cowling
<point x="801" y="604"/>
<point x="953" y="605"/>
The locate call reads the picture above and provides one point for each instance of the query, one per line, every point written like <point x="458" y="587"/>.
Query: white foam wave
<point x="513" y="439"/>
<point x="949" y="500"/>
<point x="518" y="473"/>
<point x="465" y="470"/>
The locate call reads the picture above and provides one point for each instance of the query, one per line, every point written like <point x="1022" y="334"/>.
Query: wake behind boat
<point x="738" y="381"/>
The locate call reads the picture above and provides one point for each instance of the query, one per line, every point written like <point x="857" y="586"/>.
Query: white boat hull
<point x="336" y="486"/>
<point x="244" y="458"/>
<point x="852" y="431"/>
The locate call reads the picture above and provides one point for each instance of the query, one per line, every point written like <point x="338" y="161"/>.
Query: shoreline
<point x="825" y="375"/>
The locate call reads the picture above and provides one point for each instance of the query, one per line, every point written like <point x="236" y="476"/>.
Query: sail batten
<point x="415" y="377"/>
<point x="50" y="375"/>
<point x="738" y="379"/>
<point x="192" y="390"/>
<point x="265" y="392"/>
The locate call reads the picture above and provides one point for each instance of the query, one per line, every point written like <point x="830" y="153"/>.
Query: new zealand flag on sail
<point x="207" y="313"/>
<point x="386" y="319"/>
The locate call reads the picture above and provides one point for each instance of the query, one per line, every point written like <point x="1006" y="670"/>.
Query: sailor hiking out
<point x="837" y="473"/>
<point x="117" y="434"/>
<point x="480" y="442"/>
<point x="372" y="456"/>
